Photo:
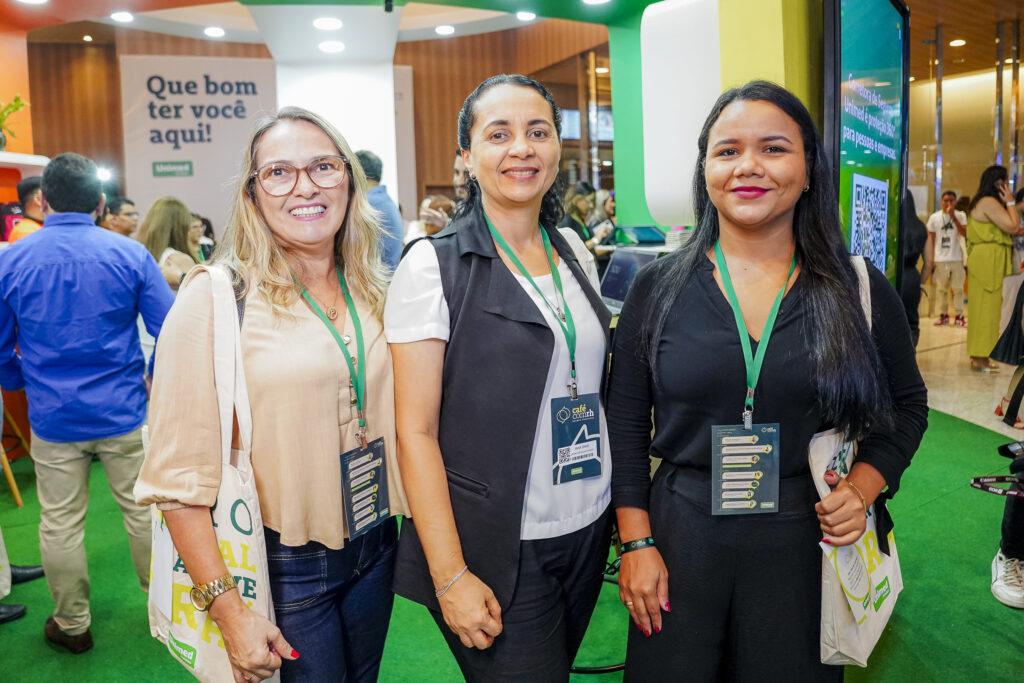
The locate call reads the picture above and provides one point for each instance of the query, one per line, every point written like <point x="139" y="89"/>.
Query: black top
<point x="569" y="222"/>
<point x="702" y="382"/>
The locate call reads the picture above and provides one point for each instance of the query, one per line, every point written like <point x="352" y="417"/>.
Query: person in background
<point x="11" y="574"/>
<point x="992" y="222"/>
<point x="945" y="227"/>
<point x="745" y="589"/>
<point x="30" y="196"/>
<point x="69" y="298"/>
<point x="303" y="241"/>
<point x="578" y="203"/>
<point x="120" y="216"/>
<point x="604" y="210"/>
<point x="390" y="218"/>
<point x="506" y="543"/>
<point x="915" y="239"/>
<point x="168" y="235"/>
<point x="203" y="237"/>
<point x="459" y="177"/>
<point x="435" y="211"/>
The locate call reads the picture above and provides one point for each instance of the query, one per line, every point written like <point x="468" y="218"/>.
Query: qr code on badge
<point x="564" y="455"/>
<point x="869" y="218"/>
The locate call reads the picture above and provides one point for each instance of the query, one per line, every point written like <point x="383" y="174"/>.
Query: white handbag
<point x="192" y="636"/>
<point x="859" y="583"/>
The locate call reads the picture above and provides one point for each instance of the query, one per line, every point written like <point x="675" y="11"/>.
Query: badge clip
<point x="748" y="419"/>
<point x="573" y="392"/>
<point x="361" y="432"/>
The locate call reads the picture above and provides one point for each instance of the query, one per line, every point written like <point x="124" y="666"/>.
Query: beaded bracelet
<point x="630" y="546"/>
<point x="444" y="589"/>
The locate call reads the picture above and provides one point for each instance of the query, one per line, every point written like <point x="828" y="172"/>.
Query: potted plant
<point x="15" y="105"/>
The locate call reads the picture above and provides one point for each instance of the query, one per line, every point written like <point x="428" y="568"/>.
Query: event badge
<point x="745" y="478"/>
<point x="575" y="438"/>
<point x="364" y="478"/>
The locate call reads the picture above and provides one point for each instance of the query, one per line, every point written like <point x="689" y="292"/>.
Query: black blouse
<point x="702" y="382"/>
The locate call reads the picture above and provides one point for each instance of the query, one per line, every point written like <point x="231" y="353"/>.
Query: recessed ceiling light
<point x="606" y="162"/>
<point x="214" y="31"/>
<point x="525" y="16"/>
<point x="444" y="30"/>
<point x="103" y="174"/>
<point x="602" y="70"/>
<point x="123" y="17"/>
<point x="959" y="42"/>
<point x="912" y="79"/>
<point x="327" y="23"/>
<point x="596" y="2"/>
<point x="1008" y="61"/>
<point x="33" y="2"/>
<point x="331" y="46"/>
<point x="87" y="38"/>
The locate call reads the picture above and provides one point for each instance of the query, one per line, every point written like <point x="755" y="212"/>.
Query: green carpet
<point x="947" y="625"/>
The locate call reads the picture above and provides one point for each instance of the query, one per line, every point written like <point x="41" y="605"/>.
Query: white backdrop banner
<point x="186" y="123"/>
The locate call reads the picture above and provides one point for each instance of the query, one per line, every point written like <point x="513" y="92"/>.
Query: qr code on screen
<point x="869" y="218"/>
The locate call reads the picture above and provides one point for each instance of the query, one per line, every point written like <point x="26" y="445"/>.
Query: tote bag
<point x="192" y="636"/>
<point x="859" y="583"/>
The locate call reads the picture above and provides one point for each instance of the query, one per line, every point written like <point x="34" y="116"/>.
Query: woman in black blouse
<point x="745" y="588"/>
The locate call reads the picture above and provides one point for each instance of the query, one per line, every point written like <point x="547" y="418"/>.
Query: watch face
<point x="199" y="599"/>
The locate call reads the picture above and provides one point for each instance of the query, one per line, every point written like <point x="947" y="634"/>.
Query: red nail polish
<point x="667" y="608"/>
<point x="647" y="633"/>
<point x="657" y="630"/>
<point x="825" y="540"/>
<point x="295" y="654"/>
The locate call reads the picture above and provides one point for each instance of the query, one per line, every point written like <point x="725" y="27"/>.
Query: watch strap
<point x="211" y="590"/>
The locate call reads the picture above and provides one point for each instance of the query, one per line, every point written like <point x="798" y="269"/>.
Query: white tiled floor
<point x="952" y="387"/>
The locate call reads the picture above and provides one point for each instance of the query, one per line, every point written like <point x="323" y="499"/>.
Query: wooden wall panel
<point x="548" y="42"/>
<point x="76" y="101"/>
<point x="132" y="42"/>
<point x="445" y="71"/>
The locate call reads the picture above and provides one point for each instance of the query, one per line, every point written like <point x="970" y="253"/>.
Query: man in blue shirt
<point x="390" y="218"/>
<point x="70" y="294"/>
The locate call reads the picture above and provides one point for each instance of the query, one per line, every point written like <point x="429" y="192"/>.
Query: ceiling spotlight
<point x="1008" y="61"/>
<point x="957" y="43"/>
<point x="87" y="38"/>
<point x="596" y="2"/>
<point x="606" y="162"/>
<point x="123" y="17"/>
<point x="912" y="79"/>
<point x="331" y="46"/>
<point x="214" y="31"/>
<point x="602" y="70"/>
<point x="103" y="174"/>
<point x="525" y="16"/>
<point x="327" y="23"/>
<point x="444" y="30"/>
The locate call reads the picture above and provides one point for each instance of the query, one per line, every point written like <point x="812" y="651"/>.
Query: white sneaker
<point x="1007" y="583"/>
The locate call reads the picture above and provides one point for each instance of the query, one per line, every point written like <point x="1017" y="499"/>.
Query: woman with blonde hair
<point x="165" y="234"/>
<point x="301" y="244"/>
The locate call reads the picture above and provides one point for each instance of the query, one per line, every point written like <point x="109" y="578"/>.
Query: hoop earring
<point x="806" y="188"/>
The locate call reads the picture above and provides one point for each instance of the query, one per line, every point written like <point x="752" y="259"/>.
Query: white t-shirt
<point x="947" y="239"/>
<point x="416" y="310"/>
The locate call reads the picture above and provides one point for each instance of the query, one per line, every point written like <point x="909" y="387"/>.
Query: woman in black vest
<point x="499" y="339"/>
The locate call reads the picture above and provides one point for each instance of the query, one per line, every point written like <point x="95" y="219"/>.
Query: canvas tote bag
<point x="192" y="636"/>
<point x="859" y="582"/>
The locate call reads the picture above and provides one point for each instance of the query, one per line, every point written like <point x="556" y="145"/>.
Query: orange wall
<point x="14" y="81"/>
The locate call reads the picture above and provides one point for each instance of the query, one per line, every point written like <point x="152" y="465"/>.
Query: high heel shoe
<point x="1004" y="403"/>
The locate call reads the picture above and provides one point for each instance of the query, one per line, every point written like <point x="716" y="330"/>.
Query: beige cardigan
<point x="303" y="413"/>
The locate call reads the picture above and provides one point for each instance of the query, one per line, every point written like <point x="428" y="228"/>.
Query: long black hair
<point x="551" y="205"/>
<point x="851" y="384"/>
<point x="990" y="177"/>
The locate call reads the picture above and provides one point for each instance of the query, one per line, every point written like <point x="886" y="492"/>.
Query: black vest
<point x="495" y="370"/>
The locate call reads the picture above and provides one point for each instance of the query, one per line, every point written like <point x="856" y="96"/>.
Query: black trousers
<point x="542" y="629"/>
<point x="745" y="590"/>
<point x="1012" y="543"/>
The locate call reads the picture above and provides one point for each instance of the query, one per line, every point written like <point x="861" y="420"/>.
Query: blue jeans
<point x="334" y="606"/>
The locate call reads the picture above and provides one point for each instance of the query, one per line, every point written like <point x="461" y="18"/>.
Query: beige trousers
<point x="62" y="482"/>
<point x="949" y="274"/>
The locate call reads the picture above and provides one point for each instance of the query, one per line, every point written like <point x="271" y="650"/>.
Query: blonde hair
<point x="249" y="247"/>
<point x="166" y="225"/>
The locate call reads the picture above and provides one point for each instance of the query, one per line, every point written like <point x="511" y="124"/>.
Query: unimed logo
<point x="182" y="651"/>
<point x="171" y="169"/>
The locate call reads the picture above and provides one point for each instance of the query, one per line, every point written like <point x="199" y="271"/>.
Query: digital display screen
<point x="572" y="128"/>
<point x="620" y="272"/>
<point x="870" y="133"/>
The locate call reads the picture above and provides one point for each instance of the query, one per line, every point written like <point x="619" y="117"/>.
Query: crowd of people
<point x="473" y="370"/>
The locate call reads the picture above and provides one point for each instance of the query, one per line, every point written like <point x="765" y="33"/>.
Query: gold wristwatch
<point x="202" y="595"/>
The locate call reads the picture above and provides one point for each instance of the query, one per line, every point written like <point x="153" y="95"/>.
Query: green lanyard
<point x="753" y="362"/>
<point x="202" y="256"/>
<point x="358" y="378"/>
<point x="564" y="321"/>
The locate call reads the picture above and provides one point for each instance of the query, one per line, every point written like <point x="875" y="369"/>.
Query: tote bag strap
<point x="228" y="371"/>
<point x="861" y="268"/>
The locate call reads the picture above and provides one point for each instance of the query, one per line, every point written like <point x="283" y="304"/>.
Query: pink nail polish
<point x="825" y="540"/>
<point x="667" y="608"/>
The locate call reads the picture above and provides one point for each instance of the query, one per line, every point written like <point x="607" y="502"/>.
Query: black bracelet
<point x="630" y="546"/>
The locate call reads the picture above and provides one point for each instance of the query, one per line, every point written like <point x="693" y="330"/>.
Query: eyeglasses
<point x="278" y="179"/>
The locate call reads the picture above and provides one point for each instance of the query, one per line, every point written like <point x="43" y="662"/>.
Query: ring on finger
<point x="629" y="604"/>
<point x="251" y="676"/>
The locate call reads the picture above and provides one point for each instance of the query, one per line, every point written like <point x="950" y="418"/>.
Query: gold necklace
<point x="330" y="311"/>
